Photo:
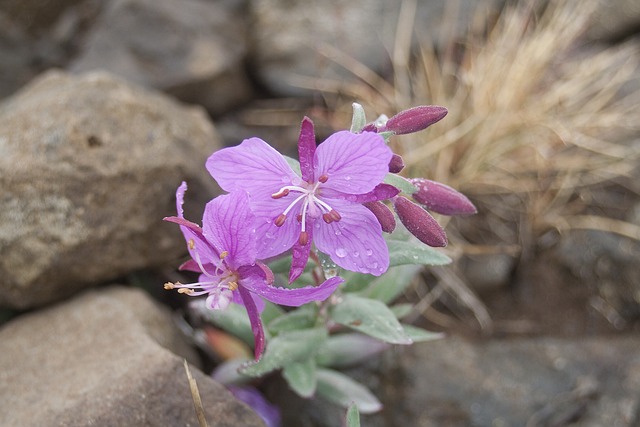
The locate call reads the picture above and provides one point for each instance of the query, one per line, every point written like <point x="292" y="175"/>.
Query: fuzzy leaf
<point x="348" y="349"/>
<point x="287" y="348"/>
<point x="301" y="318"/>
<point x="359" y="119"/>
<point x="233" y="319"/>
<point x="401" y="310"/>
<point x="414" y="252"/>
<point x="301" y="377"/>
<point x="389" y="286"/>
<point x="370" y="317"/>
<point x="293" y="164"/>
<point x="342" y="390"/>
<point x="422" y="335"/>
<point x="400" y="183"/>
<point x="353" y="416"/>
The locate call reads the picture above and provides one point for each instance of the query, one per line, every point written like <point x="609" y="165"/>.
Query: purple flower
<point x="269" y="412"/>
<point x="323" y="205"/>
<point x="223" y="251"/>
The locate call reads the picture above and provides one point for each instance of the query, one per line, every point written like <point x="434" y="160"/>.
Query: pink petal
<point x="270" y="239"/>
<point x="293" y="297"/>
<point x="354" y="242"/>
<point x="229" y="225"/>
<point x="253" y="166"/>
<point x="306" y="149"/>
<point x="254" y="319"/>
<point x="353" y="163"/>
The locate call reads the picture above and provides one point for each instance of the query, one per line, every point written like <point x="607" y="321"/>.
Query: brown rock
<point x="105" y="358"/>
<point x="88" y="168"/>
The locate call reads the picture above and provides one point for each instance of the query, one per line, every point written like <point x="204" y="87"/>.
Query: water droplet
<point x="338" y="232"/>
<point x="341" y="252"/>
<point x="348" y="178"/>
<point x="375" y="265"/>
<point x="356" y="254"/>
<point x="415" y="257"/>
<point x="369" y="252"/>
<point x="269" y="235"/>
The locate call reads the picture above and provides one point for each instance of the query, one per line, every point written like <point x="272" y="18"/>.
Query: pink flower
<point x="223" y="251"/>
<point x="322" y="205"/>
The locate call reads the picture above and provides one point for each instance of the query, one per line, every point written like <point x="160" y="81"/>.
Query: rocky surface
<point x="192" y="49"/>
<point x="88" y="168"/>
<point x="110" y="357"/>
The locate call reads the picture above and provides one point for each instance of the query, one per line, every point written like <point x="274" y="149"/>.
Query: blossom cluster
<point x="334" y="200"/>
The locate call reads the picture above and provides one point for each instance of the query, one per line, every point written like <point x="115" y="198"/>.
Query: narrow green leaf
<point x="354" y="282"/>
<point x="359" y="119"/>
<point x="400" y="183"/>
<point x="390" y="285"/>
<point x="414" y="252"/>
<point x="342" y="390"/>
<point x="286" y="348"/>
<point x="353" y="416"/>
<point x="370" y="317"/>
<point x="401" y="310"/>
<point x="348" y="349"/>
<point x="422" y="335"/>
<point x="301" y="377"/>
<point x="300" y="318"/>
<point x="271" y="311"/>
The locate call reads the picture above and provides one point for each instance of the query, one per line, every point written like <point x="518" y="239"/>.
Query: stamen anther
<point x="327" y="218"/>
<point x="233" y="286"/>
<point x="299" y="217"/>
<point x="185" y="291"/>
<point x="334" y="215"/>
<point x="168" y="286"/>
<point x="280" y="194"/>
<point x="191" y="244"/>
<point x="323" y="178"/>
<point x="304" y="238"/>
<point x="224" y="254"/>
<point x="280" y="220"/>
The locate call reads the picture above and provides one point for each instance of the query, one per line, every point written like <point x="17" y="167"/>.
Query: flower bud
<point x="441" y="198"/>
<point x="396" y="164"/>
<point x="415" y="119"/>
<point x="383" y="214"/>
<point x="420" y="223"/>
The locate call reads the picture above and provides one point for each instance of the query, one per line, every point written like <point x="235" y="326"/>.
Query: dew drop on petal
<point x="356" y="254"/>
<point x="338" y="232"/>
<point x="369" y="252"/>
<point x="341" y="252"/>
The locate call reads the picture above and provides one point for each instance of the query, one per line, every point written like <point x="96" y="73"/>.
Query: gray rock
<point x="615" y="20"/>
<point x="533" y="382"/>
<point x="192" y="49"/>
<point x="89" y="166"/>
<point x="290" y="37"/>
<point x="105" y="358"/>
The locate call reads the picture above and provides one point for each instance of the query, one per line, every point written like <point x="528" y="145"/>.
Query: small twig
<point x="195" y="395"/>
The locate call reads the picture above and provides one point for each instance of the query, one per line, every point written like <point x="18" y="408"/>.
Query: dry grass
<point x="537" y="118"/>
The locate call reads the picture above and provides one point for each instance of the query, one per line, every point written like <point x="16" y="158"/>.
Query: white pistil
<point x="310" y="201"/>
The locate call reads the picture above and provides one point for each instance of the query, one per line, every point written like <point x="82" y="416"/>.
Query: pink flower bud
<point x="415" y="119"/>
<point x="383" y="214"/>
<point x="441" y="198"/>
<point x="396" y="164"/>
<point x="420" y="223"/>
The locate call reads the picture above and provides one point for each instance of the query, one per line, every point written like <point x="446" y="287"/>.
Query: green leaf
<point x="227" y="372"/>
<point x="353" y="416"/>
<point x="414" y="252"/>
<point x="301" y="377"/>
<point x="359" y="119"/>
<point x="400" y="183"/>
<point x="401" y="310"/>
<point x="300" y="318"/>
<point x="390" y="285"/>
<point x="370" y="317"/>
<point x="354" y="282"/>
<point x="348" y="349"/>
<point x="422" y="335"/>
<point x="288" y="347"/>
<point x="294" y="164"/>
<point x="271" y="311"/>
<point x="342" y="390"/>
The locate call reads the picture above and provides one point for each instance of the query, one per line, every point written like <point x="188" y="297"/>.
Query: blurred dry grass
<point x="537" y="119"/>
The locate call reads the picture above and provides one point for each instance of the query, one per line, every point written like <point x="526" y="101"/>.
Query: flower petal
<point x="270" y="239"/>
<point x="354" y="242"/>
<point x="253" y="166"/>
<point x="254" y="319"/>
<point x="229" y="224"/>
<point x="306" y="149"/>
<point x="353" y="163"/>
<point x="291" y="297"/>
